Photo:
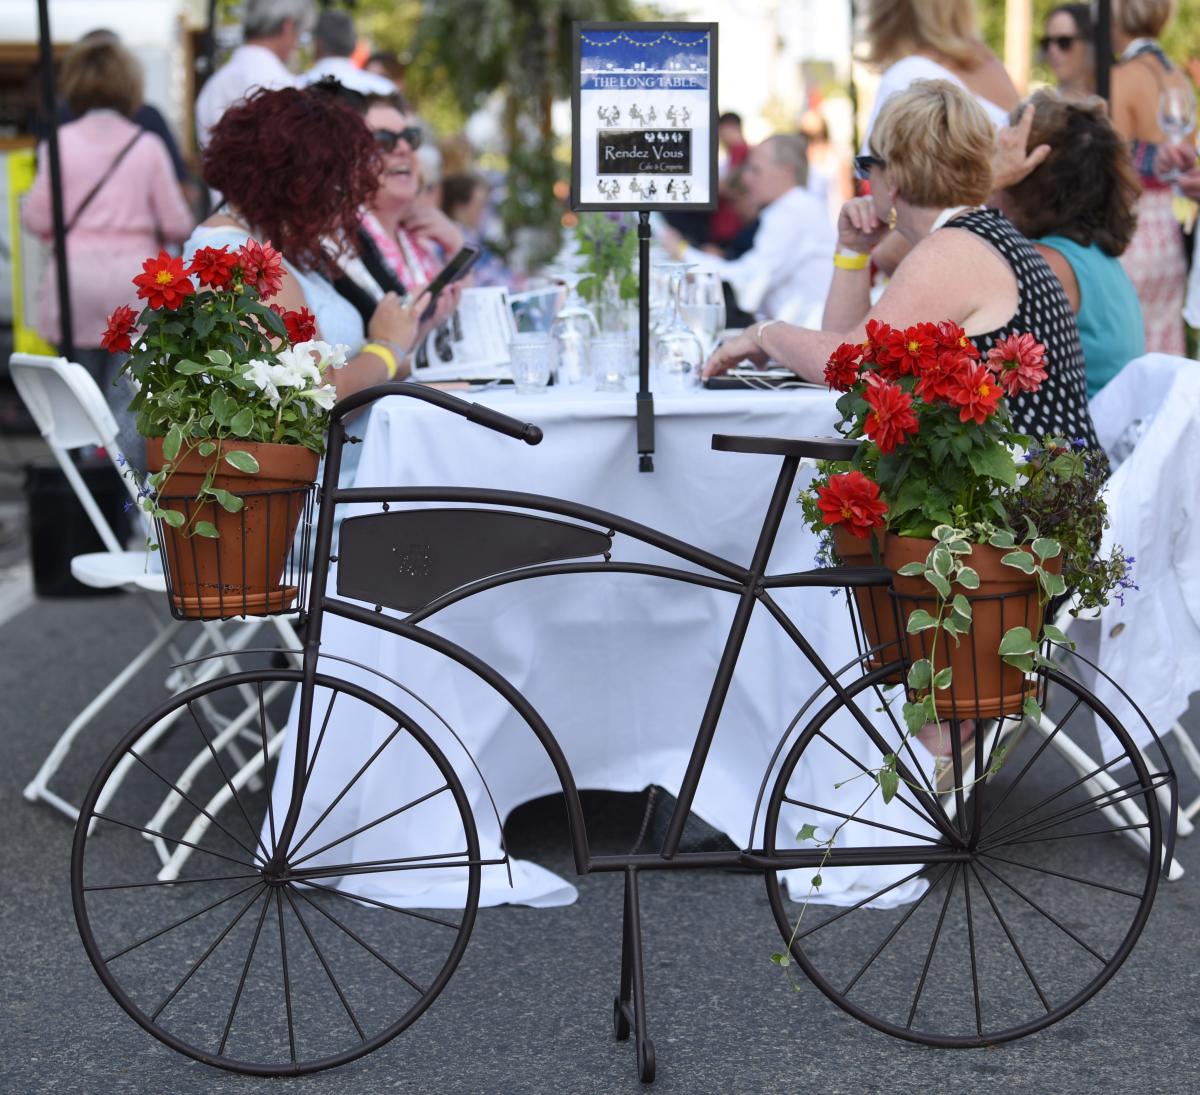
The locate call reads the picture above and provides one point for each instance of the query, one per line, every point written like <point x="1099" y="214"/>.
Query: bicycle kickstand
<point x="629" y="1008"/>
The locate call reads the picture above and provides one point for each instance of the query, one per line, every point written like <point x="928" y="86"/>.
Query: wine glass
<point x="702" y="306"/>
<point x="573" y="329"/>
<point x="678" y="353"/>
<point x="1176" y="117"/>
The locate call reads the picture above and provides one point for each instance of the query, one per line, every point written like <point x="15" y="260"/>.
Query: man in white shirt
<point x="271" y="31"/>
<point x="333" y="41"/>
<point x="787" y="272"/>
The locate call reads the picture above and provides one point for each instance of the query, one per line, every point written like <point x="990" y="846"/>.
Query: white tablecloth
<point x="619" y="666"/>
<point x="1150" y="644"/>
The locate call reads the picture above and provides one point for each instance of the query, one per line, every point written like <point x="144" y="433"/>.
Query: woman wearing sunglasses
<point x="414" y="237"/>
<point x="1067" y="47"/>
<point x="930" y="168"/>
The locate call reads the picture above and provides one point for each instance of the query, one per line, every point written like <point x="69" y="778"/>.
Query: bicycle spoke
<point x="971" y="947"/>
<point x="1011" y="939"/>
<point x="1068" y="877"/>
<point x="169" y="882"/>
<point x="1058" y="794"/>
<point x="1030" y="762"/>
<point x="937" y="931"/>
<point x="204" y="957"/>
<point x="860" y="904"/>
<point x="346" y="790"/>
<point x="381" y="904"/>
<point x="1053" y="920"/>
<point x="186" y="798"/>
<point x="1097" y="804"/>
<point x="312" y="760"/>
<point x="859" y="820"/>
<point x="287" y="982"/>
<point x="895" y="930"/>
<point x="371" y="824"/>
<point x="262" y="726"/>
<point x="906" y="744"/>
<point x="1072" y="836"/>
<point x="173" y="840"/>
<point x="362" y="943"/>
<point x="237" y="996"/>
<point x="324" y="964"/>
<point x="228" y="782"/>
<point x="923" y="815"/>
<point x="177" y="923"/>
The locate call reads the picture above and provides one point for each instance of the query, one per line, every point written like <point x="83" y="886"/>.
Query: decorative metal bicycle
<point x="992" y="913"/>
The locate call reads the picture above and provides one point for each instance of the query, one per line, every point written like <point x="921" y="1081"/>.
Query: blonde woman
<point x="930" y="167"/>
<point x="1155" y="259"/>
<point x="934" y="40"/>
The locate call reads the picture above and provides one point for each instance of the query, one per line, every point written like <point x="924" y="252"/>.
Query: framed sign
<point x="644" y="116"/>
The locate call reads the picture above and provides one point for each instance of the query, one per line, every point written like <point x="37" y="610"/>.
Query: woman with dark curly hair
<point x="1080" y="208"/>
<point x="295" y="166"/>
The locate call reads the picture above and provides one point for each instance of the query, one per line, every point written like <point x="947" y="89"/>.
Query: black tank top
<point x="1060" y="405"/>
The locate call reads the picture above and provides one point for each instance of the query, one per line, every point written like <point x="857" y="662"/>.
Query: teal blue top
<point x="1110" y="317"/>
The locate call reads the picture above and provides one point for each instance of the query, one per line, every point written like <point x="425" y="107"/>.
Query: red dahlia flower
<point x="1020" y="363"/>
<point x="213" y="266"/>
<point x="852" y="500"/>
<point x="262" y="267"/>
<point x="950" y="336"/>
<point x="121" y="325"/>
<point x="875" y="348"/>
<point x="841" y="370"/>
<point x="938" y="380"/>
<point x="891" y="418"/>
<point x="913" y="349"/>
<point x="163" y="283"/>
<point x="976" y="391"/>
<point x="301" y="326"/>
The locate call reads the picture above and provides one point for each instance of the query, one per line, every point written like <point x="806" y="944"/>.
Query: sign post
<point x="644" y="138"/>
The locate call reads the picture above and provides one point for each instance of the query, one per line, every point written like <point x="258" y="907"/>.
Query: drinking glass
<point x="532" y="355"/>
<point x="678" y="353"/>
<point x="610" y="361"/>
<point x="702" y="306"/>
<point x="573" y="329"/>
<point x="1176" y="117"/>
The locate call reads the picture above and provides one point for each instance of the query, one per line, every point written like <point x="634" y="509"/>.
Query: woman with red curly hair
<point x="295" y="166"/>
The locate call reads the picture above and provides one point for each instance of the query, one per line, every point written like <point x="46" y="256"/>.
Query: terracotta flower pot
<point x="241" y="571"/>
<point x="983" y="685"/>
<point x="876" y="610"/>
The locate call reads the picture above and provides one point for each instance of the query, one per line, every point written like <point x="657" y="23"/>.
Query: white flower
<point x="324" y="397"/>
<point x="297" y="369"/>
<point x="328" y="357"/>
<point x="265" y="376"/>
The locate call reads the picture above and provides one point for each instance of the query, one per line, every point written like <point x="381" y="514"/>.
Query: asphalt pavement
<point x="529" y="1009"/>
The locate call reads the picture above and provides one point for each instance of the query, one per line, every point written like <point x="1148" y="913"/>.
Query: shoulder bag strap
<point x="103" y="179"/>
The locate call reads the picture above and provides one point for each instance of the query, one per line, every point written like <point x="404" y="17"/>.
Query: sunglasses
<point x="863" y="165"/>
<point x="387" y="139"/>
<point x="1061" y="42"/>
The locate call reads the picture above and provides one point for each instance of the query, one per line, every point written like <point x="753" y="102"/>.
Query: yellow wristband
<point x="851" y="261"/>
<point x="384" y="353"/>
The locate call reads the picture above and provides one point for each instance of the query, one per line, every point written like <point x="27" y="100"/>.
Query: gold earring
<point x="891" y="218"/>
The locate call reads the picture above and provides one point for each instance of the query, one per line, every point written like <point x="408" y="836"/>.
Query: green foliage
<point x="609" y="245"/>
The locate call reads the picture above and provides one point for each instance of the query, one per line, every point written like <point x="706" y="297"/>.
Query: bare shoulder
<point x="994" y="82"/>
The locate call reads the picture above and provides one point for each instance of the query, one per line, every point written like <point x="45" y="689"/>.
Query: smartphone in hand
<point x="456" y="268"/>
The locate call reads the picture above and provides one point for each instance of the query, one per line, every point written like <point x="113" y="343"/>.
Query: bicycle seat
<point x="814" y="448"/>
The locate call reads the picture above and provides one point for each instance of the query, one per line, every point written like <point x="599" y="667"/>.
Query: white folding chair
<point x="71" y="413"/>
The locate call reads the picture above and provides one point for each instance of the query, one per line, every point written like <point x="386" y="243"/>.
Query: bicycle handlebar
<point x="473" y="412"/>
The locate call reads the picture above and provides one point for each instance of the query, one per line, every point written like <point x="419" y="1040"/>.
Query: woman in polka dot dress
<point x="930" y="169"/>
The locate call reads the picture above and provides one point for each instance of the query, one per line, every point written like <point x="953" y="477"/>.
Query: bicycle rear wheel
<point x="974" y="914"/>
<point x="287" y="969"/>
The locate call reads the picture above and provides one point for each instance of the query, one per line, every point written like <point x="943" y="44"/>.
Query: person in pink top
<point x="121" y="200"/>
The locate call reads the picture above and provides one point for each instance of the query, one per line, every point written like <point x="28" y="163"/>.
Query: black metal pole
<point x="1104" y="49"/>
<point x="50" y="113"/>
<point x="645" y="398"/>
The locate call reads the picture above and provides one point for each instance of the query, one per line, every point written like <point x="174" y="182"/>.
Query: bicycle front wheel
<point x="260" y="967"/>
<point x="982" y="903"/>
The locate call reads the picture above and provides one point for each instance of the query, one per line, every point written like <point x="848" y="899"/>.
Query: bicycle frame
<point x="752" y="584"/>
